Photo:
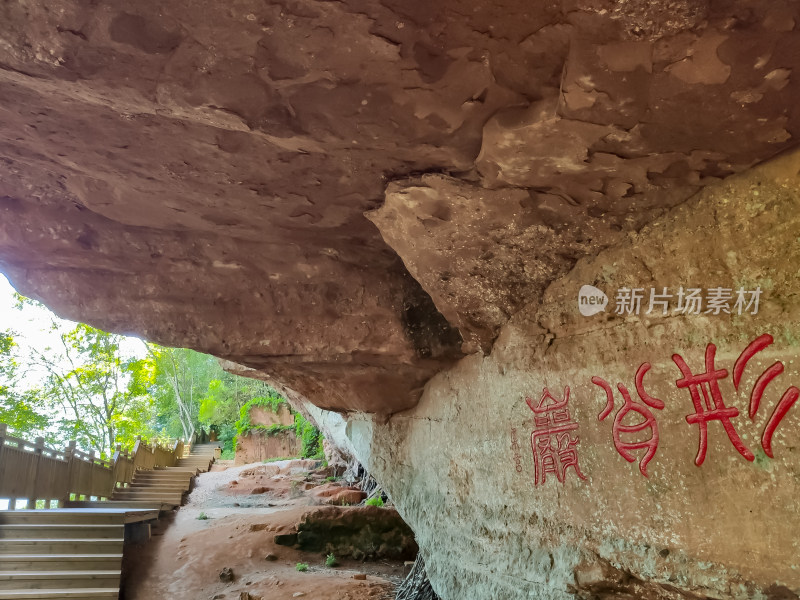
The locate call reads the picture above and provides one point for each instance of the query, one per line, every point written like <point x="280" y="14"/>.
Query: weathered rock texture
<point x="261" y="416"/>
<point x="258" y="446"/>
<point x="349" y="197"/>
<point x="461" y="469"/>
<point x="362" y="532"/>
<point x="197" y="172"/>
<point x="261" y="443"/>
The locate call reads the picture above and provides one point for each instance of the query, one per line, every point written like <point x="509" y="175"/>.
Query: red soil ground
<point x="246" y="507"/>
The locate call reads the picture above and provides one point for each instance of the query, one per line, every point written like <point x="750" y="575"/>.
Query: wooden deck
<point x="73" y="515"/>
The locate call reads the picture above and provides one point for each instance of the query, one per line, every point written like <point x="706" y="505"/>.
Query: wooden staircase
<point x="76" y="552"/>
<point x="167" y="485"/>
<point x="64" y="553"/>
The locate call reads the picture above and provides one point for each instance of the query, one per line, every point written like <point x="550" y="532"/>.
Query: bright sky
<point x="32" y="326"/>
<point x="31" y="323"/>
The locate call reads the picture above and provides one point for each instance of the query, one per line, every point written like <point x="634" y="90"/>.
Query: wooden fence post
<point x="12" y="502"/>
<point x="3" y="432"/>
<point x="69" y="456"/>
<point x="38" y="447"/>
<point x="91" y="474"/>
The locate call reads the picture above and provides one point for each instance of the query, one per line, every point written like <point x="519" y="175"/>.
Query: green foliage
<point x="202" y="517"/>
<point x="330" y="561"/>
<point x="310" y="436"/>
<point x="226" y="434"/>
<point x="331" y="478"/>
<point x="302" y="567"/>
<point x="272" y="429"/>
<point x="192" y="391"/>
<point x="376" y="501"/>
<point x="103" y="395"/>
<point x="271" y="401"/>
<point x="303" y="429"/>
<point x="181" y="382"/>
<point x="87" y="389"/>
<point x="18" y="406"/>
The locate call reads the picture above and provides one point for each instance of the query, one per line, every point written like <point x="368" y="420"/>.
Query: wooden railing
<point x="33" y="472"/>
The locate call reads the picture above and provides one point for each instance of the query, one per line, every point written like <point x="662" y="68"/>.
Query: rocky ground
<point x="232" y="554"/>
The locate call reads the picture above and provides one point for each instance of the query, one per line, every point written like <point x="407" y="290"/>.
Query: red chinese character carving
<point x="624" y="447"/>
<point x="554" y="449"/>
<point x="707" y="385"/>
<point x="784" y="404"/>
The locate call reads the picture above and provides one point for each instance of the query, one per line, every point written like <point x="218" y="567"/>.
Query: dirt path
<point x="246" y="507"/>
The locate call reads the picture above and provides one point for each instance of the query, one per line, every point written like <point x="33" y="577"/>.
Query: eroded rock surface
<point x="360" y="532"/>
<point x="702" y="519"/>
<point x="350" y="198"/>
<point x="186" y="169"/>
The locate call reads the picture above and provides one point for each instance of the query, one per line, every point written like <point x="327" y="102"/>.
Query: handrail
<point x="37" y="446"/>
<point x="33" y="471"/>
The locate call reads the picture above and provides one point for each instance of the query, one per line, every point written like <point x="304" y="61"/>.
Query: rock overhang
<point x="365" y="199"/>
<point x="206" y="168"/>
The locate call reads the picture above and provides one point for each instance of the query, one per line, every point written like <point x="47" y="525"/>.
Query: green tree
<point x="228" y="394"/>
<point x="99" y="397"/>
<point x="192" y="391"/>
<point x="183" y="381"/>
<point x="19" y="408"/>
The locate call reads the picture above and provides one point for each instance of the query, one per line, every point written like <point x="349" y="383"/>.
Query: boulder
<point x="363" y="533"/>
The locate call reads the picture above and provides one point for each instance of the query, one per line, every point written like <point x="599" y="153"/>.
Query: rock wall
<point x="264" y="417"/>
<point x="463" y="473"/>
<point x="258" y="446"/>
<point x="362" y="200"/>
<point x="197" y="172"/>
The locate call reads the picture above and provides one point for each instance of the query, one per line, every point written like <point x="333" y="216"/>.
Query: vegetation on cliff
<point x="76" y="382"/>
<point x="303" y="429"/>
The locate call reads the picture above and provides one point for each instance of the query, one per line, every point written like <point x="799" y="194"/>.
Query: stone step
<point x="39" y="580"/>
<point x="61" y="545"/>
<point x="61" y="593"/>
<point x="60" y="562"/>
<point x="61" y="530"/>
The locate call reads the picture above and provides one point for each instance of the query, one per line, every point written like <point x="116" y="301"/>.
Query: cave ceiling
<point x="348" y="196"/>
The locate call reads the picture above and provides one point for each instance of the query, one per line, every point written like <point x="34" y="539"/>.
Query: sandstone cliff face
<point x="463" y="472"/>
<point x="197" y="172"/>
<point x="259" y="447"/>
<point x="351" y="198"/>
